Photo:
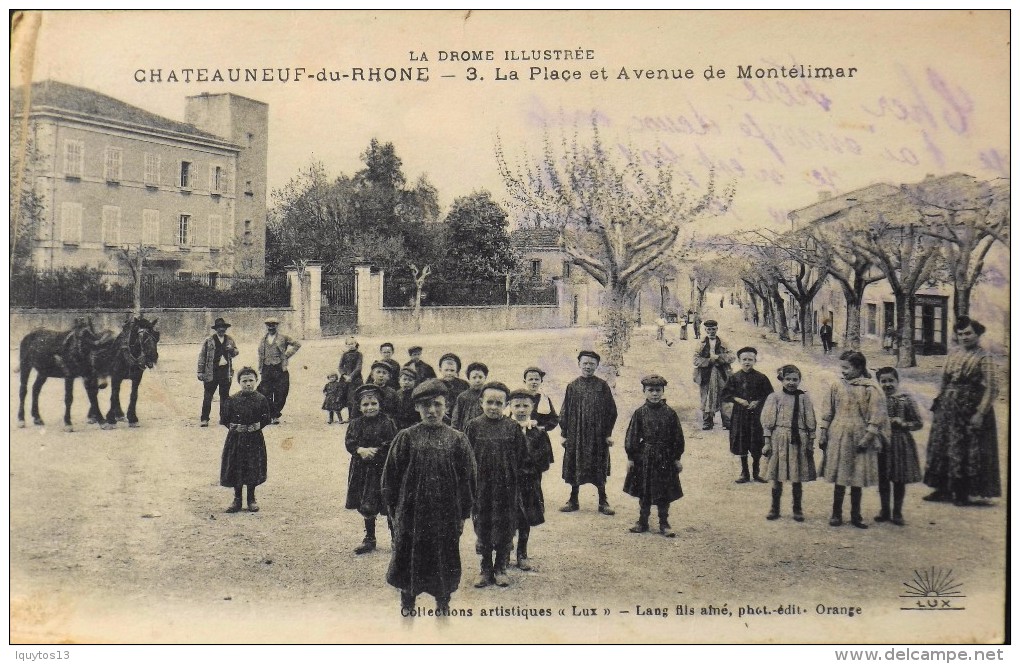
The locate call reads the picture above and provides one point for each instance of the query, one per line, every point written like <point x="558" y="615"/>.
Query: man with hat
<point x="711" y="371"/>
<point x="428" y="487"/>
<point x="275" y="350"/>
<point x="654" y="445"/>
<point x="216" y="368"/>
<point x="423" y="368"/>
<point x="586" y="422"/>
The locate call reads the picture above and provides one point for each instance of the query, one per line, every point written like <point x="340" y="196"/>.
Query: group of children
<point x="864" y="435"/>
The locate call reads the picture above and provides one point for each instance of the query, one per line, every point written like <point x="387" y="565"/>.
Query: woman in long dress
<point x="963" y="448"/>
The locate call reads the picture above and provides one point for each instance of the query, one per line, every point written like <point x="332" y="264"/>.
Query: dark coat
<point x="244" y="458"/>
<point x="406" y="415"/>
<point x="746" y="436"/>
<point x="467" y="407"/>
<point x="428" y="487"/>
<point x="586" y="422"/>
<point x="501" y="456"/>
<point x="365" y="475"/>
<point x="654" y="442"/>
<point x="540" y="457"/>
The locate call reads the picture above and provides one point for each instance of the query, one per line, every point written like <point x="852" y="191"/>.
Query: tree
<point x="620" y="219"/>
<point x="134" y="258"/>
<point x="969" y="216"/>
<point x="26" y="202"/>
<point x="477" y="240"/>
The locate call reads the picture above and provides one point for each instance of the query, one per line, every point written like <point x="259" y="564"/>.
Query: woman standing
<point x="963" y="448"/>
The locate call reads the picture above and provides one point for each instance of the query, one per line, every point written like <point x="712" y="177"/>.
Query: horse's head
<point x="148" y="339"/>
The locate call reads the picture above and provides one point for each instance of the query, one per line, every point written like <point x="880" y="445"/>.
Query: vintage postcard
<point x="368" y="319"/>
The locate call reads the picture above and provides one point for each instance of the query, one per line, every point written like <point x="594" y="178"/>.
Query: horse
<point x="58" y="354"/>
<point x="123" y="356"/>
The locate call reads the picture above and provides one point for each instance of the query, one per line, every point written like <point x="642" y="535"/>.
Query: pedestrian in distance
<point x="711" y="371"/>
<point x="540" y="457"/>
<point x="788" y="423"/>
<point x="244" y="461"/>
<point x="586" y="424"/>
<point x="275" y="351"/>
<point x="216" y="368"/>
<point x="898" y="464"/>
<point x="825" y="333"/>
<point x="368" y="441"/>
<point x="747" y="390"/>
<point x="501" y="454"/>
<point x="854" y="427"/>
<point x="654" y="445"/>
<point x="428" y="487"/>
<point x="333" y="401"/>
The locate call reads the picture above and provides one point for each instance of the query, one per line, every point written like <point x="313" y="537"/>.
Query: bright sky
<point x="930" y="93"/>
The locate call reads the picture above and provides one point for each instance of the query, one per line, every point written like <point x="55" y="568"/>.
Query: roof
<point x="83" y="101"/>
<point x="833" y="205"/>
<point x="536" y="238"/>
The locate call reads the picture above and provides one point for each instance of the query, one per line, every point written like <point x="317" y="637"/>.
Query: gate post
<point x="368" y="297"/>
<point x="313" y="303"/>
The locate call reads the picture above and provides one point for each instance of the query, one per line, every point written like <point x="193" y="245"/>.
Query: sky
<point x="929" y="93"/>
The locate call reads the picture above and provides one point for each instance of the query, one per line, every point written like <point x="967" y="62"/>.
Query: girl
<point x="854" y="427"/>
<point x="350" y="375"/>
<point x="897" y="462"/>
<point x="368" y="440"/>
<point x="333" y="402"/>
<point x="244" y="452"/>
<point x="788" y="421"/>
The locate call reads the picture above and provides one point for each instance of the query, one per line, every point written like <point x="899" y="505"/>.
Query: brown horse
<point x="58" y="354"/>
<point x="124" y="356"/>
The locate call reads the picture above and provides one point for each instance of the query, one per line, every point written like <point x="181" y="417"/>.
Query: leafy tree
<point x="26" y="202"/>
<point x="478" y="240"/>
<point x="620" y="218"/>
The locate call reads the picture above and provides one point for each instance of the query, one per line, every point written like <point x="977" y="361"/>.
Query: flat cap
<point x="589" y="353"/>
<point x="414" y="349"/>
<point x="536" y="370"/>
<point x="429" y="389"/>
<point x="653" y="380"/>
<point x="272" y="320"/>
<point x="379" y="364"/>
<point x="450" y="356"/>
<point x="367" y="388"/>
<point x="711" y="323"/>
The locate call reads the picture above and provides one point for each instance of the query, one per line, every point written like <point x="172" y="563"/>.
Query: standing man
<point x="711" y="371"/>
<point x="274" y="351"/>
<point x="697" y="324"/>
<point x="216" y="367"/>
<point x="825" y="332"/>
<point x="586" y="422"/>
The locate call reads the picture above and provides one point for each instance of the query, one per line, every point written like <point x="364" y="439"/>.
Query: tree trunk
<point x="753" y="308"/>
<point x="852" y="335"/>
<point x="805" y="324"/>
<point x="779" y="317"/>
<point x="616" y="324"/>
<point x="905" y="356"/>
<point x="961" y="301"/>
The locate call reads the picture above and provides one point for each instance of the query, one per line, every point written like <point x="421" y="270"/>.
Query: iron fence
<point x="401" y="293"/>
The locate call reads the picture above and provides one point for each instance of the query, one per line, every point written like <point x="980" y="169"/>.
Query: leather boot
<point x="837" y="505"/>
<point x="522" y="551"/>
<point x="368" y="544"/>
<point x="485" y="575"/>
<point x="664" y="528"/>
<point x="777" y="493"/>
<point x="855" y="508"/>
<point x="798" y="493"/>
<point x="883" y="496"/>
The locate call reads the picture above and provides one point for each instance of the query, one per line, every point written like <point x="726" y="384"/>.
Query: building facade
<point x="112" y="176"/>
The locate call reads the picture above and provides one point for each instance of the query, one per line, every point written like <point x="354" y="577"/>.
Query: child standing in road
<point x="544" y="413"/>
<point x="244" y="459"/>
<point x="368" y="440"/>
<point x="333" y="402"/>
<point x="407" y="415"/>
<point x="350" y="375"/>
<point x="540" y="457"/>
<point x="654" y="445"/>
<point x="746" y="390"/>
<point x="501" y="453"/>
<point x="855" y="424"/>
<point x="898" y="464"/>
<point x="788" y="422"/>
<point x="468" y="405"/>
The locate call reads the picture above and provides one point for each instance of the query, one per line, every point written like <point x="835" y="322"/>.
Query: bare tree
<point x="419" y="282"/>
<point x="620" y="219"/>
<point x="134" y="258"/>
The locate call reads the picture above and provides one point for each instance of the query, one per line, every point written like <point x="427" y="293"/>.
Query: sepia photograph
<point x="510" y="327"/>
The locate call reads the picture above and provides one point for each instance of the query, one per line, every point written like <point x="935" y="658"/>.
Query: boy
<point x="586" y="422"/>
<point x="428" y="485"/>
<point x="747" y="390"/>
<point x="501" y="452"/>
<point x="540" y="457"/>
<point x="406" y="414"/>
<point x="380" y="378"/>
<point x="654" y="445"/>
<point x="469" y="405"/>
<point x="449" y="370"/>
<point x="386" y="351"/>
<point x="424" y="369"/>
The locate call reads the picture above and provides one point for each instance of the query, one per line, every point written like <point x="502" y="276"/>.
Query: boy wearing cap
<point x="216" y="367"/>
<point x="428" y="487"/>
<point x="747" y="390"/>
<point x="368" y="440"/>
<point x="654" y="445"/>
<point x="540" y="457"/>
<point x="275" y="350"/>
<point x="379" y="376"/>
<point x="711" y="371"/>
<point x="386" y="351"/>
<point x="406" y="414"/>
<point x="424" y="369"/>
<point x="501" y="453"/>
<point x="469" y="402"/>
<point x="544" y="412"/>
<point x="586" y="423"/>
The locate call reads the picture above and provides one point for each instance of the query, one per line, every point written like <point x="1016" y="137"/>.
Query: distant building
<point x="113" y="175"/>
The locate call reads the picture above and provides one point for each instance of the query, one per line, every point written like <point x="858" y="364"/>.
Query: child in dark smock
<point x="540" y="457"/>
<point x="368" y="440"/>
<point x="350" y="376"/>
<point x="380" y="377"/>
<point x="544" y="413"/>
<point x="746" y="390"/>
<point x="788" y="421"/>
<point x="333" y="399"/>
<point x="244" y="460"/>
<point x="654" y="445"/>
<point x="501" y="454"/>
<point x="468" y="404"/>
<point x="406" y="415"/>
<point x="898" y="464"/>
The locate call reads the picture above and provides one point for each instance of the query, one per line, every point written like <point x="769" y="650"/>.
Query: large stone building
<point x="111" y="175"/>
